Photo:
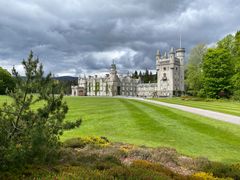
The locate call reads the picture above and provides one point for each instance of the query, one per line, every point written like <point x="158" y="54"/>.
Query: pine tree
<point x="151" y="77"/>
<point x="136" y="74"/>
<point x="30" y="135"/>
<point x="140" y="75"/>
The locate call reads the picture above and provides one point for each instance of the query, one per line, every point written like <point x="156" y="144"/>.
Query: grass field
<point x="141" y="123"/>
<point x="224" y="106"/>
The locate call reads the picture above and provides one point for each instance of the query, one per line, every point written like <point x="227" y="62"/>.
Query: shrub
<point x="236" y="95"/>
<point x="74" y="143"/>
<point x="201" y="163"/>
<point x="205" y="176"/>
<point x="223" y="170"/>
<point x="165" y="155"/>
<point x="119" y="172"/>
<point x="146" y="165"/>
<point x="76" y="172"/>
<point x="139" y="153"/>
<point x="82" y="142"/>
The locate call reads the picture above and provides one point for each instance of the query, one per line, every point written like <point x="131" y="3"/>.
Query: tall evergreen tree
<point x="146" y="76"/>
<point x="135" y="75"/>
<point x="30" y="135"/>
<point x="140" y="75"/>
<point x="151" y="77"/>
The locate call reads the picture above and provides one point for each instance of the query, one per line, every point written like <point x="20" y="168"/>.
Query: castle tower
<point x="158" y="67"/>
<point x="180" y="54"/>
<point x="172" y="55"/>
<point x="114" y="81"/>
<point x="170" y="72"/>
<point x="172" y="69"/>
<point x="82" y="83"/>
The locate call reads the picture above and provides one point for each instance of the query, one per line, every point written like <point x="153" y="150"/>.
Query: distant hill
<point x="66" y="78"/>
<point x="60" y="78"/>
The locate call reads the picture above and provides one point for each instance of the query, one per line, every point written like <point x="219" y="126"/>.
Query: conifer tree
<point x="30" y="135"/>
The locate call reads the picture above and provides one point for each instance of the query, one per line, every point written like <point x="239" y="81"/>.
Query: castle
<point x="170" y="80"/>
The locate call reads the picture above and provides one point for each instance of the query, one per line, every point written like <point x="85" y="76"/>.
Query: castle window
<point x="164" y="77"/>
<point x="164" y="68"/>
<point x="176" y="68"/>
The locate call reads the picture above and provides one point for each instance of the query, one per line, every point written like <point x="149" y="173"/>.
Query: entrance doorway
<point x="118" y="90"/>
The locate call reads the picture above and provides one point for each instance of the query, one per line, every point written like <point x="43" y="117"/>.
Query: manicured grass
<point x="152" y="125"/>
<point x="147" y="124"/>
<point x="224" y="106"/>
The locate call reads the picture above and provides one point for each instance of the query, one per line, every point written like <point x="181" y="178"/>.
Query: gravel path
<point x="207" y="113"/>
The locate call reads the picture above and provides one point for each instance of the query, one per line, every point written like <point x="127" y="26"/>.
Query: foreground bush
<point x="93" y="160"/>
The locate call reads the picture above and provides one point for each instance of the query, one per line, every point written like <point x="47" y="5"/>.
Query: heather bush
<point x="223" y="170"/>
<point x="82" y="142"/>
<point x="154" y="167"/>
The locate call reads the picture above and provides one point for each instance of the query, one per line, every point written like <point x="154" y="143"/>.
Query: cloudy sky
<point x="73" y="37"/>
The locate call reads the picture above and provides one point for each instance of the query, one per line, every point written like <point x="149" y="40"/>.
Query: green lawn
<point x="224" y="106"/>
<point x="147" y="124"/>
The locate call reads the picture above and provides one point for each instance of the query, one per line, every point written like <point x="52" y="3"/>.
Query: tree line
<point x="215" y="72"/>
<point x="8" y="83"/>
<point x="145" y="77"/>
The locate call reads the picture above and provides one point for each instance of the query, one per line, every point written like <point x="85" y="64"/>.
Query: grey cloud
<point x="81" y="36"/>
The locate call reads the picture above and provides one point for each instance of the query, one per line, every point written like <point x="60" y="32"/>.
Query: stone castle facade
<point x="170" y="80"/>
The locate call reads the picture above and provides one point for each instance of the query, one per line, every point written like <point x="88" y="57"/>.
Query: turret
<point x="158" y="55"/>
<point x="113" y="81"/>
<point x="113" y="69"/>
<point x="172" y="55"/>
<point x="113" y="72"/>
<point x="180" y="54"/>
<point x="165" y="55"/>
